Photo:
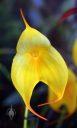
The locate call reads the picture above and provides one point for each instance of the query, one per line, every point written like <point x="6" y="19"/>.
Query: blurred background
<point x="42" y="15"/>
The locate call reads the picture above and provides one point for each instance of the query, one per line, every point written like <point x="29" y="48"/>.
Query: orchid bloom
<point x="70" y="95"/>
<point x="36" y="60"/>
<point x="75" y="52"/>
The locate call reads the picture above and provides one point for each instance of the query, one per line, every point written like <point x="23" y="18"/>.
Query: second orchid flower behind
<point x="36" y="60"/>
<point x="69" y="99"/>
<point x="74" y="52"/>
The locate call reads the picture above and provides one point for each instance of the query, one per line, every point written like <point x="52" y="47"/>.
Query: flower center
<point x="34" y="54"/>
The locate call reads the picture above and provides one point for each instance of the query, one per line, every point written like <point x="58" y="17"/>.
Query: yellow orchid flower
<point x="36" y="60"/>
<point x="75" y="52"/>
<point x="69" y="98"/>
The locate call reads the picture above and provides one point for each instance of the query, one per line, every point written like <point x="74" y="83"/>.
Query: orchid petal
<point x="25" y="77"/>
<point x="53" y="72"/>
<point x="74" y="52"/>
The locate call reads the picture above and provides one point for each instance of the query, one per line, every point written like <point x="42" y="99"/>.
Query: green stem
<point x="25" y="120"/>
<point x="61" y="119"/>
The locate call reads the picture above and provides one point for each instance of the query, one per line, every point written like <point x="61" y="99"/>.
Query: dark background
<point x="42" y="15"/>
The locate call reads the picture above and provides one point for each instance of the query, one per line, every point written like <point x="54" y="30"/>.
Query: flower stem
<point x="25" y="120"/>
